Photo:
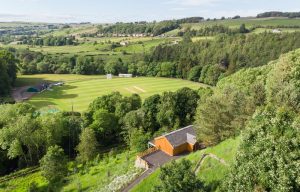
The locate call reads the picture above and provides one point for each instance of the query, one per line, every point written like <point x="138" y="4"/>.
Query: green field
<point x="211" y="171"/>
<point x="81" y="90"/>
<point x="103" y="46"/>
<point x="249" y="22"/>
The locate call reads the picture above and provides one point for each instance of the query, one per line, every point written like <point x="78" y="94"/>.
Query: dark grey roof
<point x="181" y="136"/>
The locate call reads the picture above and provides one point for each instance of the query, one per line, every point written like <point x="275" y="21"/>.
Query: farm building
<point x="276" y="31"/>
<point x="109" y="76"/>
<point x="176" y="142"/>
<point x="125" y="75"/>
<point x="124" y="43"/>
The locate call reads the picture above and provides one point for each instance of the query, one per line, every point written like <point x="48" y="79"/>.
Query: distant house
<point x="124" y="43"/>
<point x="276" y="31"/>
<point x="176" y="142"/>
<point x="109" y="76"/>
<point x="125" y="75"/>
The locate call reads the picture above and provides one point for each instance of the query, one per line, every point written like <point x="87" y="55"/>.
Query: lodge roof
<point x="181" y="136"/>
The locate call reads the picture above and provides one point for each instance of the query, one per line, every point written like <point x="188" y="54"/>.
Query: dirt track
<point x="19" y="94"/>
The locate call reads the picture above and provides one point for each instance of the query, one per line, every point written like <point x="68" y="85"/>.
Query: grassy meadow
<point x="102" y="47"/>
<point x="109" y="173"/>
<point x="81" y="90"/>
<point x="211" y="171"/>
<point x="249" y="22"/>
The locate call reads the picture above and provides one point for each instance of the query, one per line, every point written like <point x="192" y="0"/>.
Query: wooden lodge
<point x="176" y="142"/>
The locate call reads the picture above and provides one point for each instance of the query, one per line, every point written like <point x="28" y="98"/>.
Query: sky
<point x="110" y="11"/>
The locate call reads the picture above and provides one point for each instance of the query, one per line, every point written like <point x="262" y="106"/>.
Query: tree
<point x="178" y="176"/>
<point x="167" y="69"/>
<point x="4" y="80"/>
<point x="268" y="156"/>
<point x="114" y="67"/>
<point x="282" y="84"/>
<point x="8" y="72"/>
<point x="106" y="126"/>
<point x="138" y="139"/>
<point x="243" y="28"/>
<point x="166" y="115"/>
<point x="150" y="109"/>
<point x="186" y="104"/>
<point x="223" y="115"/>
<point x="107" y="102"/>
<point x="194" y="73"/>
<point x="54" y="165"/>
<point x="87" y="147"/>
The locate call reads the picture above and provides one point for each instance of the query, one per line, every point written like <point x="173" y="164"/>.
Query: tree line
<point x="213" y="30"/>
<point x="48" y="41"/>
<point x="208" y="61"/>
<point x="154" y="28"/>
<point x="279" y="14"/>
<point x="8" y="73"/>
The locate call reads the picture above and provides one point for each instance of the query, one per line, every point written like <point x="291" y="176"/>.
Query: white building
<point x="276" y="31"/>
<point x="124" y="43"/>
<point x="109" y="76"/>
<point x="125" y="75"/>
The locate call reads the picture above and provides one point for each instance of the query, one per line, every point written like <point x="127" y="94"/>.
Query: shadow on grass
<point x="26" y="81"/>
<point x="60" y="92"/>
<point x="41" y="104"/>
<point x="212" y="186"/>
<point x="57" y="93"/>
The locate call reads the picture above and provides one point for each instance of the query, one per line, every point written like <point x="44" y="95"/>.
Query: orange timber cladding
<point x="163" y="144"/>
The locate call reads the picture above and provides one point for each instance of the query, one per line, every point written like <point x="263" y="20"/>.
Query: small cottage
<point x="176" y="142"/>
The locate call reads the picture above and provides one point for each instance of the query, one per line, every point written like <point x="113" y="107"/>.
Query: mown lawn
<point x="80" y="90"/>
<point x="211" y="171"/>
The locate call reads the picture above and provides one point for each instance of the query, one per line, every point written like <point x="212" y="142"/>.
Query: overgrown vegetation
<point x="8" y="73"/>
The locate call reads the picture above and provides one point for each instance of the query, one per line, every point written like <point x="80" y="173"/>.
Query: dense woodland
<point x="206" y="61"/>
<point x="148" y="28"/>
<point x="8" y="73"/>
<point x="155" y="28"/>
<point x="48" y="41"/>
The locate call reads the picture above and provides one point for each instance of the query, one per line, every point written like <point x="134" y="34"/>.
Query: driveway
<point x="158" y="158"/>
<point x="155" y="159"/>
<point x="19" y="93"/>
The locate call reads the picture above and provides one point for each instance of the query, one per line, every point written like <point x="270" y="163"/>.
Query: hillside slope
<point x="211" y="171"/>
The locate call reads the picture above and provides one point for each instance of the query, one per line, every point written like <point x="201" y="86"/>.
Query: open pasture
<point x="249" y="22"/>
<point x="80" y="90"/>
<point x="103" y="47"/>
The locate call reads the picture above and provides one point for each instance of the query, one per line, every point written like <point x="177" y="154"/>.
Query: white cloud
<point x="41" y="18"/>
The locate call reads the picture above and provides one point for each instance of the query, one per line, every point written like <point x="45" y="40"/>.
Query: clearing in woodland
<point x="80" y="90"/>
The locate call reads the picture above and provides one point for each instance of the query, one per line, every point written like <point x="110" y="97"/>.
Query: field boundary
<point x="10" y="177"/>
<point x="205" y="156"/>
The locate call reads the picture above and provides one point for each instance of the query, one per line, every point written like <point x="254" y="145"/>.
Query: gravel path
<point x="19" y="93"/>
<point x="155" y="159"/>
